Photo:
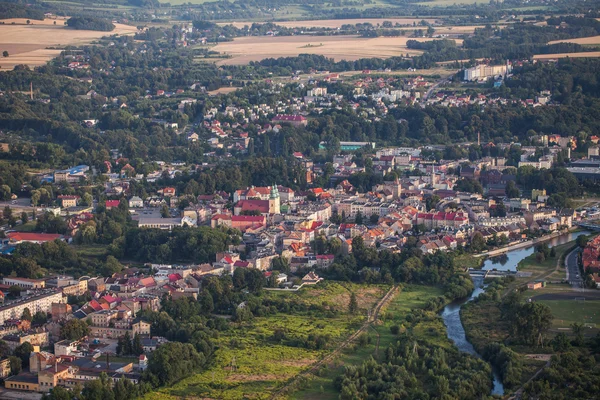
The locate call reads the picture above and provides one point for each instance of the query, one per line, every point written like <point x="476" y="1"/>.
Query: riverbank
<point x="528" y="243"/>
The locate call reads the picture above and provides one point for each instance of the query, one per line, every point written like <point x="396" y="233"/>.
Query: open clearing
<point x="27" y="44"/>
<point x="588" y="54"/>
<point x="567" y="312"/>
<point x="446" y="3"/>
<point x="583" y="40"/>
<point x="333" y="23"/>
<point x="246" y="49"/>
<point x="250" y="364"/>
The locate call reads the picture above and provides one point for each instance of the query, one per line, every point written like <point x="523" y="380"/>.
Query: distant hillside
<point x="90" y="24"/>
<point x="12" y="10"/>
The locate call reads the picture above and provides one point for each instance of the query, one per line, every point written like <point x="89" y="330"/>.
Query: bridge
<point x="590" y="225"/>
<point x="480" y="273"/>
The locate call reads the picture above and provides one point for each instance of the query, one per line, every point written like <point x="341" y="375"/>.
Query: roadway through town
<point x="572" y="269"/>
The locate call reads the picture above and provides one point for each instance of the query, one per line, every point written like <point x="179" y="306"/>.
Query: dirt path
<point x="519" y="391"/>
<point x="373" y="316"/>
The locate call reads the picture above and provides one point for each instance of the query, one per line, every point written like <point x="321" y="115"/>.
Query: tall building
<point x="274" y="201"/>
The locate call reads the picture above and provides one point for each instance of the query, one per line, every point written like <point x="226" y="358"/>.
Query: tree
<point x="39" y="318"/>
<point x="581" y="241"/>
<point x="374" y="218"/>
<point x="5" y="53"/>
<point x="26" y="315"/>
<point x="478" y="242"/>
<point x="24" y="217"/>
<point x="353" y="305"/>
<point x="553" y="252"/>
<point x="22" y="352"/>
<point x="15" y="365"/>
<point x="359" y="218"/>
<point x="174" y="361"/>
<point x="164" y="211"/>
<point x="136" y="346"/>
<point x="577" y="329"/>
<point x="74" y="329"/>
<point x="7" y="212"/>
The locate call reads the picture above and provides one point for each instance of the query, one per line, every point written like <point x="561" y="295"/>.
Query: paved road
<point x="572" y="268"/>
<point x="434" y="87"/>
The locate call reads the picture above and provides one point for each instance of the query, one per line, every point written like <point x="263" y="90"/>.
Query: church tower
<point x="274" y="202"/>
<point x="396" y="189"/>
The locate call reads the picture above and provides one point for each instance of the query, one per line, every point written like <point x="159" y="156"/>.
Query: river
<point x="507" y="262"/>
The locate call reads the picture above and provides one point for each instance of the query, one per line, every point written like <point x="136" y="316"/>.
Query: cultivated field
<point x="583" y="40"/>
<point x="589" y="54"/>
<point x="334" y="23"/>
<point x="246" y="49"/>
<point x="27" y="44"/>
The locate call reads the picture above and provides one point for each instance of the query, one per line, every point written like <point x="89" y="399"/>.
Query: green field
<point x="249" y="364"/>
<point x="320" y="386"/>
<point x="446" y="3"/>
<point x="567" y="312"/>
<point x="28" y="227"/>
<point x="468" y="261"/>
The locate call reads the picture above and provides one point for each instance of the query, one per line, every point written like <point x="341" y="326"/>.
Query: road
<point x="21" y="204"/>
<point x="435" y="86"/>
<point x="572" y="268"/>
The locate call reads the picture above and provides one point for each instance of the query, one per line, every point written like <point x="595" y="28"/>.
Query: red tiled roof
<point x="32" y="237"/>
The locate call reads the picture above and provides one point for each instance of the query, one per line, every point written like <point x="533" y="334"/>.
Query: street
<point x="21" y="204"/>
<point x="572" y="269"/>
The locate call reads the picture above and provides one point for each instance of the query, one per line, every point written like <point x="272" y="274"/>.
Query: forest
<point x="90" y="23"/>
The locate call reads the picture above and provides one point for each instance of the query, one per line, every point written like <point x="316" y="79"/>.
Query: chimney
<point x="55" y="366"/>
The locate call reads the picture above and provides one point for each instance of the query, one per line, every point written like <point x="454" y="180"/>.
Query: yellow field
<point x="334" y="23"/>
<point x="246" y="49"/>
<point x="583" y="40"/>
<point x="589" y="54"/>
<point x="27" y="44"/>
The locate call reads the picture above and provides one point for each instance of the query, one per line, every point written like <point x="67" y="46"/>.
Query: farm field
<point x="250" y="364"/>
<point x="589" y="54"/>
<point x="333" y="23"/>
<point x="583" y="40"/>
<point x="246" y="49"/>
<point x="446" y="3"/>
<point x="27" y="44"/>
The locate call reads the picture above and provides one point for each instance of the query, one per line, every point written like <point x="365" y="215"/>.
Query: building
<point x="159" y="223"/>
<point x="274" y="202"/>
<point x="24" y="283"/>
<point x="41" y="339"/>
<point x="295" y="120"/>
<point x="4" y="368"/>
<point x="136" y="202"/>
<point x="484" y="72"/>
<point x="40" y="302"/>
<point x="68" y="201"/>
<point x="15" y="238"/>
<point x="65" y="347"/>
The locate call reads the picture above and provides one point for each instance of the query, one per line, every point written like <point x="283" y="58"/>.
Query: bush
<point x="395" y="329"/>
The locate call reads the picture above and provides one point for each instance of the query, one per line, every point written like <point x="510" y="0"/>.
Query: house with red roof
<point x="112" y="203"/>
<point x="29" y="237"/>
<point x="295" y="120"/>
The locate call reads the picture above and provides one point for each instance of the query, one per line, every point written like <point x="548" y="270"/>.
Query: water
<point x="456" y="332"/>
<point x="510" y="260"/>
<point x="507" y="262"/>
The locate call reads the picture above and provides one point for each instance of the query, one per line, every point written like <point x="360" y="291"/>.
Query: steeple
<point x="274" y="201"/>
<point x="274" y="192"/>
